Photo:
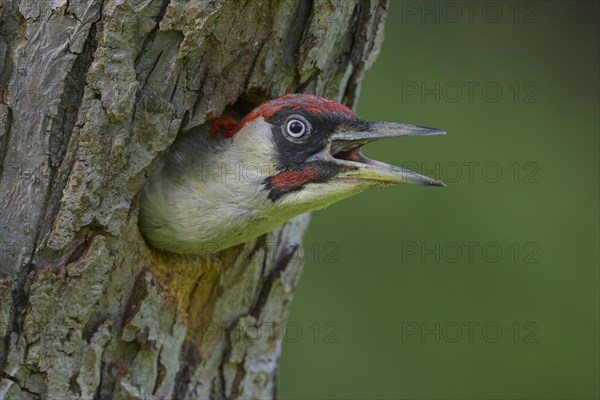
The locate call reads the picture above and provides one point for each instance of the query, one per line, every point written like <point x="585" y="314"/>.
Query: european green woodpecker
<point x="232" y="181"/>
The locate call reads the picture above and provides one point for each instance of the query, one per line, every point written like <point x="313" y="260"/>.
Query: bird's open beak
<point x="345" y="149"/>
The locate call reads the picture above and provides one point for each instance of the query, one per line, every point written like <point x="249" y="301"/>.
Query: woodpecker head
<point x="233" y="181"/>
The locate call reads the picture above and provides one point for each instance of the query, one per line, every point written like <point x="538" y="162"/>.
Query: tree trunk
<point x="91" y="94"/>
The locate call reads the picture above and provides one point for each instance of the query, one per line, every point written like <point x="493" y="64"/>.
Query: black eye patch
<point x="292" y="154"/>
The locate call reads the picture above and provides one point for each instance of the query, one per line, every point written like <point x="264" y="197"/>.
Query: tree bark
<point x="91" y="94"/>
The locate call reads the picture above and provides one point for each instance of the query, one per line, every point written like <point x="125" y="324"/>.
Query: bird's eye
<point x="296" y="128"/>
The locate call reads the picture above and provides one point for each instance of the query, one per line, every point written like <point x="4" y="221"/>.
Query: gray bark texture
<point x="91" y="94"/>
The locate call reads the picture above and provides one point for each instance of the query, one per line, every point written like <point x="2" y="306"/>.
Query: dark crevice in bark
<point x="62" y="131"/>
<point x="255" y="59"/>
<point x="98" y="392"/>
<point x="220" y="391"/>
<point x="112" y="373"/>
<point x="20" y="293"/>
<point x="196" y="286"/>
<point x="202" y="82"/>
<point x="191" y="360"/>
<point x="5" y="66"/>
<point x="301" y="88"/>
<point x="160" y="371"/>
<point x="149" y="39"/>
<point x="5" y="128"/>
<point x="218" y="387"/>
<point x="92" y="327"/>
<point x="175" y="87"/>
<point x="73" y="252"/>
<point x="360" y="40"/>
<point x="12" y="25"/>
<point x="73" y="385"/>
<point x="4" y="343"/>
<point x="293" y="39"/>
<point x="286" y="255"/>
<point x="152" y="68"/>
<point x="239" y="376"/>
<point x="293" y="42"/>
<point x="161" y="42"/>
<point x="78" y="250"/>
<point x="70" y="102"/>
<point x="4" y="375"/>
<point x="358" y="19"/>
<point x="138" y="294"/>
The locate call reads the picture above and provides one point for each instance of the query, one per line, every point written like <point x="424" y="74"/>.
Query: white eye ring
<point x="292" y="128"/>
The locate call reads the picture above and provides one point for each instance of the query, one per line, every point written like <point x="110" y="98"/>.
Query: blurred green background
<point x="488" y="288"/>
